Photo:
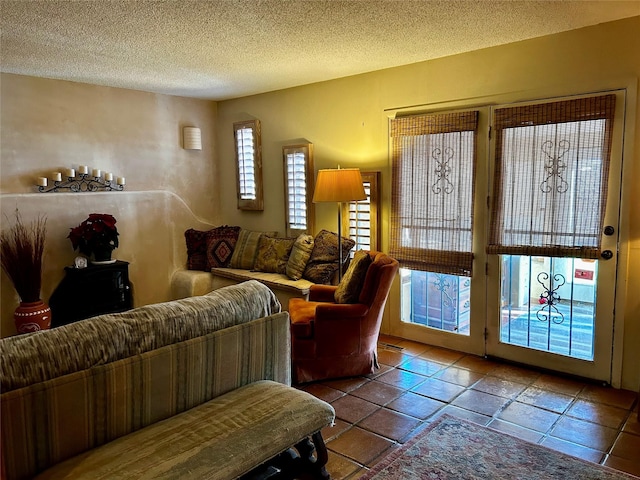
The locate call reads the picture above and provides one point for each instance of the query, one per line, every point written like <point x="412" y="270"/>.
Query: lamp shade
<point x="339" y="185"/>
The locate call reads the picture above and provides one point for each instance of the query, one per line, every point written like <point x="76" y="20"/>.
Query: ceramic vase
<point x="32" y="316"/>
<point x="102" y="254"/>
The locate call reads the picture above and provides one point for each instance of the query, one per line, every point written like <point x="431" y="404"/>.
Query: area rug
<point x="455" y="449"/>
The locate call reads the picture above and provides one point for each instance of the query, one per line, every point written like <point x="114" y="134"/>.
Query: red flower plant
<point x="96" y="233"/>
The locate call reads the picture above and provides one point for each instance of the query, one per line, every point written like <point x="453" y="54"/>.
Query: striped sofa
<point x="167" y="390"/>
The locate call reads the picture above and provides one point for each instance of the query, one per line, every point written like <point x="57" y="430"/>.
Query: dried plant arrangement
<point x="21" y="252"/>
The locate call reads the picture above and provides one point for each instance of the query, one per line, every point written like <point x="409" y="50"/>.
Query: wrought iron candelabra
<point x="81" y="182"/>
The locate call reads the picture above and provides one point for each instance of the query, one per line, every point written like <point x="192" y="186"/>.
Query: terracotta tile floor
<point x="416" y="383"/>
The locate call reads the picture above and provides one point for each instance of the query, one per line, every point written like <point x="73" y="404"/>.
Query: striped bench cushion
<point x="221" y="439"/>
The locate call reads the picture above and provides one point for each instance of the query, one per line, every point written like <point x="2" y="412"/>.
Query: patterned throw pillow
<point x="220" y="244"/>
<point x="244" y="253"/>
<point x="273" y="254"/>
<point x="350" y="286"/>
<point x="196" y="249"/>
<point x="323" y="263"/>
<point x="300" y="254"/>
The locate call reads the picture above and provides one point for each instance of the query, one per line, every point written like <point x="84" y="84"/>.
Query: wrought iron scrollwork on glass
<point x="442" y="283"/>
<point x="442" y="170"/>
<point x="555" y="166"/>
<point x="549" y="298"/>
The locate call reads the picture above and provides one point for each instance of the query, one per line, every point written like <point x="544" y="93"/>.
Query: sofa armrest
<point x="322" y="293"/>
<point x="190" y="283"/>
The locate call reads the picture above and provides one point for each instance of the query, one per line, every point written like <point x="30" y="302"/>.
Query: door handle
<point x="607" y="254"/>
<point x="609" y="230"/>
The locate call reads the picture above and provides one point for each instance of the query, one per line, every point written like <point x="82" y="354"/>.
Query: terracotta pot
<point x="32" y="316"/>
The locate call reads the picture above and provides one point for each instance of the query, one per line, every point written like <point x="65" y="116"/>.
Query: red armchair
<point x="331" y="340"/>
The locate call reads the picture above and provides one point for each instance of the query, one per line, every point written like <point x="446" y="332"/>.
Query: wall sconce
<point x="81" y="181"/>
<point x="191" y="138"/>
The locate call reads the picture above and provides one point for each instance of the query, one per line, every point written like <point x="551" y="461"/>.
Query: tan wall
<point x="49" y="125"/>
<point x="346" y="120"/>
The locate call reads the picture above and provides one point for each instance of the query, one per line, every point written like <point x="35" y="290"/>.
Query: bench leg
<point x="296" y="463"/>
<point x="314" y="466"/>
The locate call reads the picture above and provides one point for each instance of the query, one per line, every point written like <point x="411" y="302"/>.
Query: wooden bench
<point x="249" y="432"/>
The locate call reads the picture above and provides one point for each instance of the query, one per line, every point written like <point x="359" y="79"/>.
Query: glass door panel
<point x="548" y="304"/>
<point x="438" y="301"/>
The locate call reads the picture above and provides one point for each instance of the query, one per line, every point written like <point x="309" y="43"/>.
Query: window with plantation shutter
<point x="298" y="180"/>
<point x="362" y="217"/>
<point x="249" y="164"/>
<point x="433" y="170"/>
<point x="551" y="173"/>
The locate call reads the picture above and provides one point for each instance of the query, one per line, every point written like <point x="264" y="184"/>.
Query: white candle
<point x="83" y="169"/>
<point x="42" y="181"/>
<point x="56" y="177"/>
<point x="108" y="176"/>
<point x="96" y="172"/>
<point x="70" y="173"/>
<point x="120" y="180"/>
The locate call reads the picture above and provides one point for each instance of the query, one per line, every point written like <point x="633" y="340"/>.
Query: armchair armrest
<point x="322" y="293"/>
<point x="340" y="311"/>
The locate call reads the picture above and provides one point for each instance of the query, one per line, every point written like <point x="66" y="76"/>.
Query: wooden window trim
<point x="373" y="178"/>
<point x="307" y="150"/>
<point x="256" y="203"/>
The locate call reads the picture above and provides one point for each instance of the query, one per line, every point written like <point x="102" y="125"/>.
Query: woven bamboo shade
<point x="434" y="158"/>
<point x="551" y="175"/>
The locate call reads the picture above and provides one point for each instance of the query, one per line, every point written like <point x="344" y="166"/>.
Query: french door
<point x="556" y="310"/>
<point x="551" y="310"/>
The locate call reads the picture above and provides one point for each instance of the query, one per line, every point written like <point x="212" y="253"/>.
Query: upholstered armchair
<point x="333" y="340"/>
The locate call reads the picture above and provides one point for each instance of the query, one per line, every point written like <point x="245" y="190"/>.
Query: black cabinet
<point x="91" y="291"/>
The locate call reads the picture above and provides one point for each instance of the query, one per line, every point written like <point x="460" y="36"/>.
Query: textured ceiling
<point x="222" y="49"/>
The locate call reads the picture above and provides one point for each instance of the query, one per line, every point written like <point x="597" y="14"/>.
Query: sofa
<point x="228" y="255"/>
<point x="193" y="388"/>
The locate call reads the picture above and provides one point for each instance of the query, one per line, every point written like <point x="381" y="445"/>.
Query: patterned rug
<point x="454" y="449"/>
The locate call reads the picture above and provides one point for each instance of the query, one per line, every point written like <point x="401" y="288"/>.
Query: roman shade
<point x="550" y="180"/>
<point x="434" y="158"/>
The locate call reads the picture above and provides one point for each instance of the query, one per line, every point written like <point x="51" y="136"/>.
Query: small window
<point x="298" y="188"/>
<point x="249" y="164"/>
<point x="362" y="216"/>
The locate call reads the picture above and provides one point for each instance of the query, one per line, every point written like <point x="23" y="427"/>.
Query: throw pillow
<point x="273" y="254"/>
<point x="220" y="244"/>
<point x="196" y="249"/>
<point x="350" y="286"/>
<point x="323" y="263"/>
<point x="244" y="253"/>
<point x="300" y="254"/>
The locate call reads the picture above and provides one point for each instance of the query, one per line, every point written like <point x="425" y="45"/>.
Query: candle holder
<point x="83" y="182"/>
